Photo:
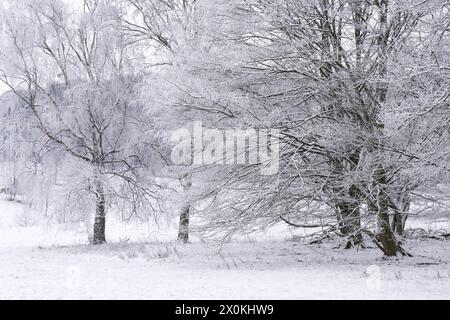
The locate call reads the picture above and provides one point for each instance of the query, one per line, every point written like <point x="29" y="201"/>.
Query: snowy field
<point x="55" y="263"/>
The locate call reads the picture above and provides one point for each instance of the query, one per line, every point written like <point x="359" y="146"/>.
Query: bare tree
<point x="330" y="76"/>
<point x="162" y="27"/>
<point x="73" y="74"/>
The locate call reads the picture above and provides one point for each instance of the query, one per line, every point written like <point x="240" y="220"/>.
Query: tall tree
<point x="72" y="70"/>
<point x="161" y="28"/>
<point x="326" y="73"/>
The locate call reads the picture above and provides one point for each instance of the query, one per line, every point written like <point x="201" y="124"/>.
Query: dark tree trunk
<point x="380" y="205"/>
<point x="350" y="220"/>
<point x="399" y="223"/>
<point x="350" y="224"/>
<point x="401" y="215"/>
<point x="348" y="208"/>
<point x="99" y="236"/>
<point x="183" y="233"/>
<point x="385" y="234"/>
<point x="349" y="216"/>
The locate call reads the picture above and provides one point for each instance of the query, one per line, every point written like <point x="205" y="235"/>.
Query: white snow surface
<point x="56" y="263"/>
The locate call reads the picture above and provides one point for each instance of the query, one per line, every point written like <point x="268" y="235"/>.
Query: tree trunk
<point x="13" y="188"/>
<point x="183" y="233"/>
<point x="99" y="236"/>
<point x="350" y="220"/>
<point x="381" y="206"/>
<point x="385" y="234"/>
<point x="348" y="207"/>
<point x="399" y="223"/>
<point x="350" y="224"/>
<point x="401" y="215"/>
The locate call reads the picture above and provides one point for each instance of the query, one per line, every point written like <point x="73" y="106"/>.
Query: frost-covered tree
<point x="71" y="68"/>
<point x="356" y="92"/>
<point x="335" y="78"/>
<point x="161" y="29"/>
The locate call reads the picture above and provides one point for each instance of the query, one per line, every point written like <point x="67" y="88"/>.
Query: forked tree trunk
<point x="99" y="236"/>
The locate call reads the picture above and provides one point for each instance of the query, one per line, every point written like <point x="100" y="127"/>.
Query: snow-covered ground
<point x="55" y="263"/>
